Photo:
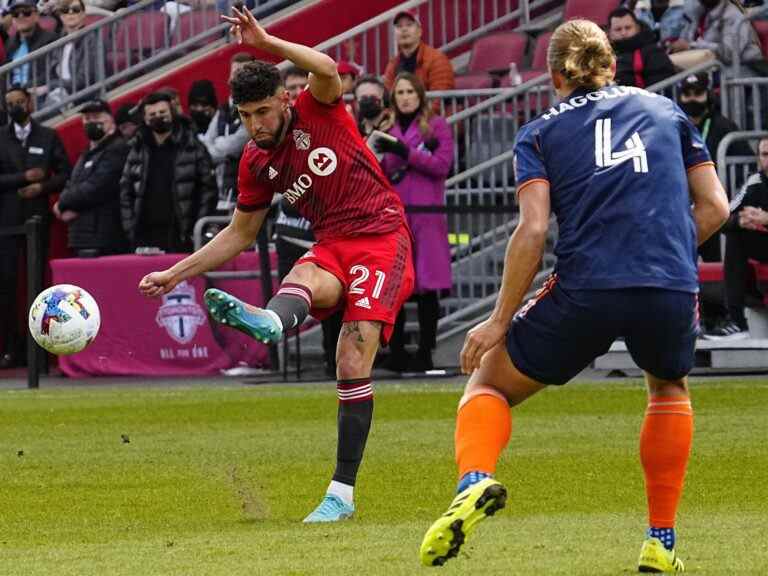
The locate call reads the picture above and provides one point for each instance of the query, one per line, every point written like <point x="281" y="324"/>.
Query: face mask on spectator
<point x="18" y="114"/>
<point x="160" y="125"/>
<point x="369" y="107"/>
<point x="94" y="131"/>
<point x="201" y="118"/>
<point x="694" y="108"/>
<point x="709" y="4"/>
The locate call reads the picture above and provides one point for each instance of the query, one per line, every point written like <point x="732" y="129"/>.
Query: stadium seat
<point x="473" y="81"/>
<point x="760" y="270"/>
<point x="595" y="10"/>
<point x="493" y="53"/>
<point x="761" y="27"/>
<point x="195" y="22"/>
<point x="138" y="35"/>
<point x="539" y="60"/>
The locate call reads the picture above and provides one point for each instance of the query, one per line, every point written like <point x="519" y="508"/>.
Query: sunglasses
<point x="71" y="10"/>
<point x="25" y="12"/>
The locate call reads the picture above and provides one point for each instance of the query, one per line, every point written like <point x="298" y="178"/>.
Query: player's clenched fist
<point x="480" y="340"/>
<point x="157" y="283"/>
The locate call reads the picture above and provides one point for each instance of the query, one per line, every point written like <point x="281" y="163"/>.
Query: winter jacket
<point x="725" y="28"/>
<point x="433" y="68"/>
<point x="42" y="149"/>
<point x="225" y="139"/>
<point x="754" y="193"/>
<point x="194" y="188"/>
<point x="83" y="63"/>
<point x="641" y="61"/>
<point x="420" y="181"/>
<point x="93" y="191"/>
<point x="669" y="26"/>
<point x="37" y="40"/>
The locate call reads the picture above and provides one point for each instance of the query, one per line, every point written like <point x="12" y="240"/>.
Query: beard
<point x="272" y="142"/>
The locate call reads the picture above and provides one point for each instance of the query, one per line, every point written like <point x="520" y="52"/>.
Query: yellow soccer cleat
<point x="655" y="558"/>
<point x="444" y="538"/>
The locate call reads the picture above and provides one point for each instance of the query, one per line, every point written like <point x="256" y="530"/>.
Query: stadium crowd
<point x="175" y="166"/>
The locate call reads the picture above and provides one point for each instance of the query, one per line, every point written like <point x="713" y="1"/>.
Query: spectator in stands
<point x="202" y="104"/>
<point x="348" y="73"/>
<point x="746" y="237"/>
<point x="33" y="165"/>
<point x="173" y="94"/>
<point x="664" y="17"/>
<point x="225" y="139"/>
<point x="29" y="37"/>
<point x="715" y="29"/>
<point x="167" y="183"/>
<point x="417" y="162"/>
<point x="74" y="66"/>
<point x="372" y="104"/>
<point x="125" y="118"/>
<point x="640" y="60"/>
<point x="294" y="81"/>
<point x="430" y="65"/>
<point x="90" y="202"/>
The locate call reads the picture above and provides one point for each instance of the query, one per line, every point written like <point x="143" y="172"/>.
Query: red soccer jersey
<point x="326" y="171"/>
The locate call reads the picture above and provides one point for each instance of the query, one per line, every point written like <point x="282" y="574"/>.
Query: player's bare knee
<point x="351" y="363"/>
<point x="661" y="387"/>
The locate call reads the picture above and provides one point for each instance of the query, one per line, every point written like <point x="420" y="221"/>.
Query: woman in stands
<point x="417" y="162"/>
<point x="619" y="167"/>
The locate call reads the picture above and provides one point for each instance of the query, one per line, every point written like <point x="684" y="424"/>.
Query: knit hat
<point x="202" y="92"/>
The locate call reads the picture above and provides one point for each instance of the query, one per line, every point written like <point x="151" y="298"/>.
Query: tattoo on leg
<point x="353" y="329"/>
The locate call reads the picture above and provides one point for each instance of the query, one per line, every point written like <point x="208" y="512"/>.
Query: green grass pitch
<point x="214" y="480"/>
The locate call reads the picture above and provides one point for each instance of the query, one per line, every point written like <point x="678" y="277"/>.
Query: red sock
<point x="665" y="444"/>
<point x="483" y="427"/>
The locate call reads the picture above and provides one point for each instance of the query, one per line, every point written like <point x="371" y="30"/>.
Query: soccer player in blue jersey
<point x="634" y="191"/>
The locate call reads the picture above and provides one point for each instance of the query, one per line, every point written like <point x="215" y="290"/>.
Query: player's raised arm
<point x="239" y="235"/>
<point x="324" y="81"/>
<point x="524" y="252"/>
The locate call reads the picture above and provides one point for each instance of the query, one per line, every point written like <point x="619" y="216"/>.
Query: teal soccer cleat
<point x="331" y="509"/>
<point x="230" y="311"/>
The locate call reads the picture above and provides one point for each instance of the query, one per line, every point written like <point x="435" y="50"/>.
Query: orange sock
<point x="483" y="426"/>
<point x="665" y="444"/>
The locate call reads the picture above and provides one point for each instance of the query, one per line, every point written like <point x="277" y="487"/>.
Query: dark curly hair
<point x="255" y="81"/>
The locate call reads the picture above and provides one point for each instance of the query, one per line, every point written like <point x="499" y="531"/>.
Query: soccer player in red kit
<point x="312" y="154"/>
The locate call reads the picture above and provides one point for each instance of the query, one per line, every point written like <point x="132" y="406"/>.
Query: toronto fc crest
<point x="179" y="314"/>
<point x="302" y="140"/>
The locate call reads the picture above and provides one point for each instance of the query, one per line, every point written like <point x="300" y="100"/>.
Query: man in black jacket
<point x="33" y="164"/>
<point x="746" y="236"/>
<point x="167" y="183"/>
<point x="28" y="38"/>
<point x="90" y="203"/>
<point x="640" y="60"/>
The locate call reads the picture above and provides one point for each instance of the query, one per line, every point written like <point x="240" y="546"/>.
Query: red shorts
<point x="376" y="272"/>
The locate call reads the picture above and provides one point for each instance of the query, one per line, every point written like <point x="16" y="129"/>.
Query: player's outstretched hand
<point x="157" y="283"/>
<point x="480" y="340"/>
<point x="246" y="28"/>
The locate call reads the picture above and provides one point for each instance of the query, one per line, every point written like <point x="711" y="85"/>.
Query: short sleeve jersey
<point x="616" y="161"/>
<point x="325" y="171"/>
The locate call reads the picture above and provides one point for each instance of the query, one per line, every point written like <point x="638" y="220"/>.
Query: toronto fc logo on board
<point x="180" y="314"/>
<point x="302" y="140"/>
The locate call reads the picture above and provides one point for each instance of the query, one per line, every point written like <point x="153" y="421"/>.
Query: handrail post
<point x="35" y="359"/>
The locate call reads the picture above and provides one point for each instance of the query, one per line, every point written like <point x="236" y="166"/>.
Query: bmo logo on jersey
<point x="322" y="161"/>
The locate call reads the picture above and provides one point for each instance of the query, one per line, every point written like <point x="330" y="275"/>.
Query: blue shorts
<point x="559" y="333"/>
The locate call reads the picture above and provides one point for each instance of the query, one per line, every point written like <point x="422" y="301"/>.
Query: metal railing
<point x="446" y="25"/>
<point x="734" y="170"/>
<point x="118" y="48"/>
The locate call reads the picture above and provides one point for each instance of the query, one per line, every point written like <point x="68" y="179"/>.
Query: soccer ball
<point x="64" y="319"/>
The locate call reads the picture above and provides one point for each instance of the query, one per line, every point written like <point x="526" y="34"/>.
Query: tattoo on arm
<point x="352" y="329"/>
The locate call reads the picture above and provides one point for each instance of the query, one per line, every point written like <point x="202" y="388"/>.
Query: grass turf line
<point x="216" y="480"/>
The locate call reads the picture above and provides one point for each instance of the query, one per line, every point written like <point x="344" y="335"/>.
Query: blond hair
<point x="581" y="52"/>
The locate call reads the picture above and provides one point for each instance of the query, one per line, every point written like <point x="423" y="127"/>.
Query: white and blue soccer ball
<point x="64" y="319"/>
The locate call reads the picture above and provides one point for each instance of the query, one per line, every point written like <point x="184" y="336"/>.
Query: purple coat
<point x="424" y="185"/>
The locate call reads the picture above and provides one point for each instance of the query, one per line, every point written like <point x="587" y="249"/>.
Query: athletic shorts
<point x="560" y="332"/>
<point x="376" y="272"/>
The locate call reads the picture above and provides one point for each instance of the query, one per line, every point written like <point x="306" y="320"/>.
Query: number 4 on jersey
<point x="605" y="157"/>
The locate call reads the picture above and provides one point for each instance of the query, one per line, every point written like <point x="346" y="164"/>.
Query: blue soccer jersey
<point x="616" y="160"/>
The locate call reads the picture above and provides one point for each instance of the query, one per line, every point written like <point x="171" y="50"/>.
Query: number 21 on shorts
<point x="361" y="274"/>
